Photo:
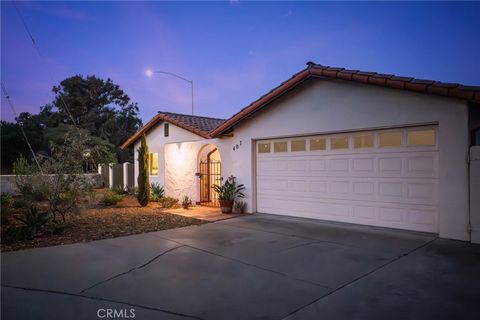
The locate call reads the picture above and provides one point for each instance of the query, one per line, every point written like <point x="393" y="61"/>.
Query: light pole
<point x="150" y="73"/>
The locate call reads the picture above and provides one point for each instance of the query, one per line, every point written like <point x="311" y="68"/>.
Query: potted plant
<point x="228" y="192"/>
<point x="186" y="202"/>
<point x="238" y="206"/>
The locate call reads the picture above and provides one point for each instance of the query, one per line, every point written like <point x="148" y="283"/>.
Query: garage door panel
<point x="392" y="187"/>
<point x="364" y="165"/>
<point x="420" y="192"/>
<point x="393" y="217"/>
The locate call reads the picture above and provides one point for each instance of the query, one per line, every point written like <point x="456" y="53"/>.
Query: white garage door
<point x="385" y="178"/>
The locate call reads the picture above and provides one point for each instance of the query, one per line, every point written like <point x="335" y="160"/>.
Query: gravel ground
<point x="98" y="222"/>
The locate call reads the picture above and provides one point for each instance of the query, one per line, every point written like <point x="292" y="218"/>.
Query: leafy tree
<point x="143" y="178"/>
<point x="95" y="105"/>
<point x="96" y="150"/>
<point x="98" y="106"/>
<point x="14" y="145"/>
<point x="61" y="181"/>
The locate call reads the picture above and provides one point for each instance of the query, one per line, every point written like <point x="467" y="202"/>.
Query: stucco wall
<point x="323" y="106"/>
<point x="156" y="141"/>
<point x="181" y="164"/>
<point x="327" y="106"/>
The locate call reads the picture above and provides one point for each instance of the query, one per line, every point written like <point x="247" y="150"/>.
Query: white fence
<point x="117" y="175"/>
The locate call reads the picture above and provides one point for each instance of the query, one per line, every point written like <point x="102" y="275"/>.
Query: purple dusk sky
<point x="234" y="51"/>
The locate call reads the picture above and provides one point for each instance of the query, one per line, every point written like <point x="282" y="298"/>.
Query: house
<point x="333" y="144"/>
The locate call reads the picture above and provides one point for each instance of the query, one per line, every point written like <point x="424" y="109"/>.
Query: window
<point x="298" y="145"/>
<point x="339" y="142"/>
<point x="166" y="129"/>
<point x="421" y="138"/>
<point x="264" y="148"/>
<point x="153" y="164"/>
<point x="317" y="144"/>
<point x="363" y="141"/>
<point x="280" y="146"/>
<point x="390" y="139"/>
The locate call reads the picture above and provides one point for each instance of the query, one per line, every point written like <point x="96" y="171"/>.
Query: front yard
<point x="94" y="222"/>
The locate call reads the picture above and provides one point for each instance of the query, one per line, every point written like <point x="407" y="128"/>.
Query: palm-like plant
<point x="229" y="191"/>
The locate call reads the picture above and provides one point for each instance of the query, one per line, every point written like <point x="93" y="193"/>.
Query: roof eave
<point x="262" y="101"/>
<point x="384" y="80"/>
<point x="153" y="121"/>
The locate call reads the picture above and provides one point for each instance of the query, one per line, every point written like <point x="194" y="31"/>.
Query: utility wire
<point x="5" y="93"/>
<point x="37" y="49"/>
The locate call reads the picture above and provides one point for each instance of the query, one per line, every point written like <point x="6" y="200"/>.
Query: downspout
<point x="469" y="226"/>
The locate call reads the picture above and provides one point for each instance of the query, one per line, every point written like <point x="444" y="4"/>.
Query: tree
<point x="143" y="178"/>
<point x="60" y="181"/>
<point x="14" y="145"/>
<point x="98" y="106"/>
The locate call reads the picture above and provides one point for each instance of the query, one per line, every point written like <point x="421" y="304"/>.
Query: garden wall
<point x="7" y="182"/>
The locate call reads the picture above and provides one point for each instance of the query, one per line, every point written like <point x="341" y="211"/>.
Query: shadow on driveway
<point x="251" y="267"/>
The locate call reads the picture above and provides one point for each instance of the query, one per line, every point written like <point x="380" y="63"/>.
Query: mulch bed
<point x="98" y="222"/>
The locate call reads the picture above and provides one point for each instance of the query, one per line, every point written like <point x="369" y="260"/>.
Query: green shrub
<point x="29" y="181"/>
<point x="7" y="200"/>
<point x="119" y="190"/>
<point x="168" y="202"/>
<point x="143" y="176"/>
<point x="133" y="191"/>
<point x="239" y="205"/>
<point x="20" y="203"/>
<point x="7" y="203"/>
<point x="60" y="179"/>
<point x="33" y="219"/>
<point x="156" y="192"/>
<point x="110" y="198"/>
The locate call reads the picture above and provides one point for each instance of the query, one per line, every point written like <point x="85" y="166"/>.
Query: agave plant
<point x="33" y="219"/>
<point x="229" y="190"/>
<point x="156" y="191"/>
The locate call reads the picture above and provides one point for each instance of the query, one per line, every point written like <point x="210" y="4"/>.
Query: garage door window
<point x="264" y="148"/>
<point x="363" y="141"/>
<point x="390" y="139"/>
<point x="421" y="138"/>
<point x="298" y="145"/>
<point x="281" y="146"/>
<point x="340" y="142"/>
<point x="317" y="144"/>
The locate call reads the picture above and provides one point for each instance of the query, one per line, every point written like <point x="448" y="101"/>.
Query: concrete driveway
<point x="252" y="267"/>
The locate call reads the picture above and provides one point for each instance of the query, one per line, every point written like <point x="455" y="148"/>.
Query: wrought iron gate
<point x="210" y="174"/>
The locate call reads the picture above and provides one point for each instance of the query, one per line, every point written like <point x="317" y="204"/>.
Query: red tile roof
<point x="195" y="124"/>
<point x="211" y="127"/>
<point x="454" y="90"/>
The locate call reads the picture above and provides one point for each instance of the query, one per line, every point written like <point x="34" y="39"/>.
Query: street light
<point x="149" y="73"/>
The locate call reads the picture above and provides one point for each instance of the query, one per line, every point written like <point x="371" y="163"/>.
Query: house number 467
<point x="237" y="146"/>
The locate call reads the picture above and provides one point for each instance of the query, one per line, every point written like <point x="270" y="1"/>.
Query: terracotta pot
<point x="226" y="206"/>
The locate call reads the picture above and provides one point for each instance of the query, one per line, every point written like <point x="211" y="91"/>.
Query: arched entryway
<point x="209" y="173"/>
